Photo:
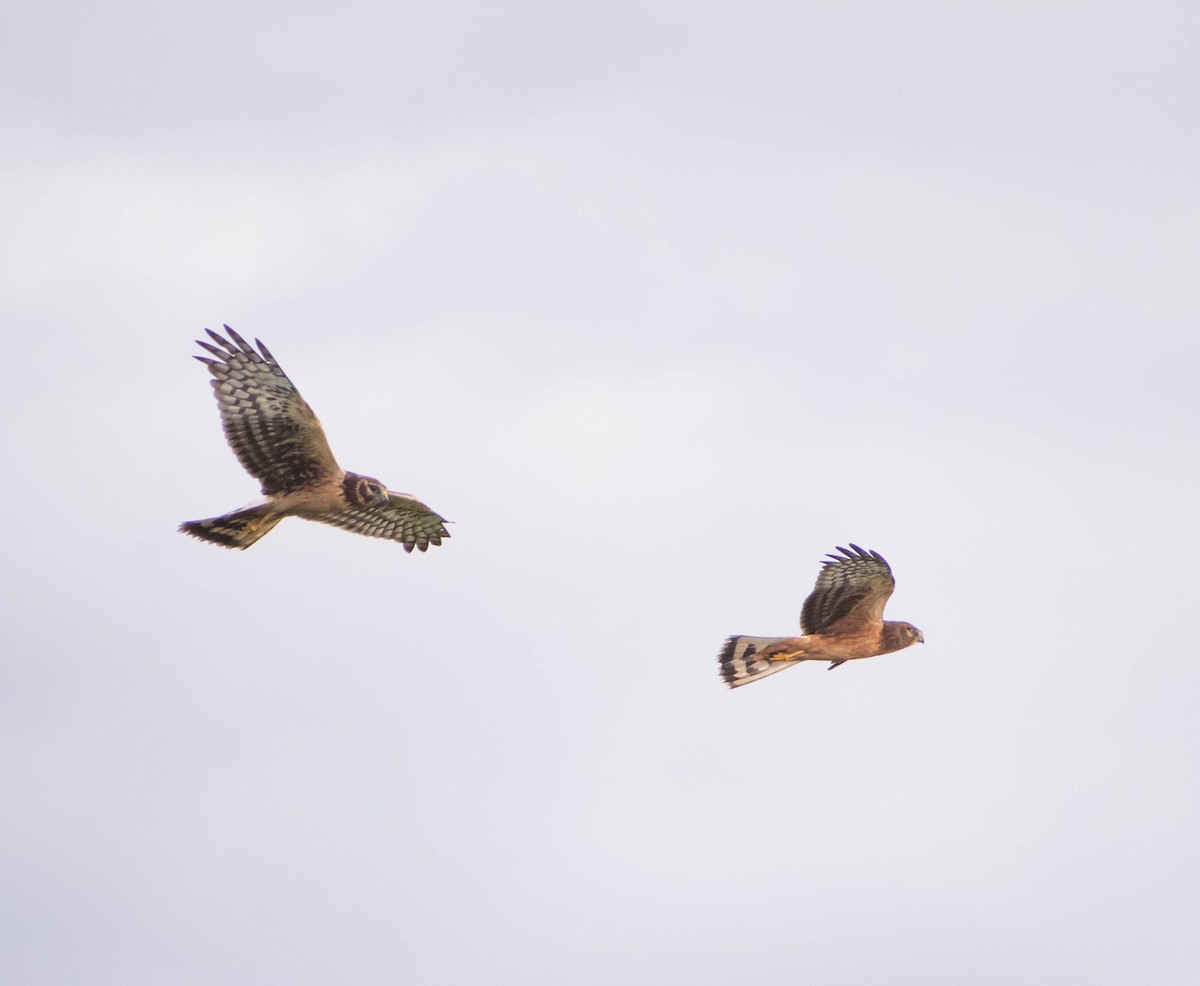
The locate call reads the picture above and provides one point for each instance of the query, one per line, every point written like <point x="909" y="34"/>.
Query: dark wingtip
<point x="266" y="353"/>
<point x="854" y="553"/>
<point x="209" y="348"/>
<point x="241" y="343"/>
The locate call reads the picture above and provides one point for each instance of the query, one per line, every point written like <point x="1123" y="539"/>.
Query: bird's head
<point x="363" y="491"/>
<point x="898" y="635"/>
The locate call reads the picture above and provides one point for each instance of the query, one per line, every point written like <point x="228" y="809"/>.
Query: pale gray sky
<point x="659" y="302"/>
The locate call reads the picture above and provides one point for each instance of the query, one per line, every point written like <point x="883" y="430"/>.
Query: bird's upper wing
<point x="405" y="519"/>
<point x="270" y="427"/>
<point x="850" y="593"/>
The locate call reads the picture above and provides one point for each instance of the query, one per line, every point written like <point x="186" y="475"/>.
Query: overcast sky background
<point x="659" y="302"/>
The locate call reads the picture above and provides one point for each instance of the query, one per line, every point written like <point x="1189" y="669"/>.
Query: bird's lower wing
<point x="403" y="519"/>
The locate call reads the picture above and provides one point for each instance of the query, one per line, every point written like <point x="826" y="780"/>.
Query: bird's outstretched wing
<point x="404" y="518"/>
<point x="270" y="427"/>
<point x="850" y="593"/>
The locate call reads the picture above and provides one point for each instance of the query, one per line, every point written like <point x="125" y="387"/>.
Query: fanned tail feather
<point x="740" y="666"/>
<point x="238" y="529"/>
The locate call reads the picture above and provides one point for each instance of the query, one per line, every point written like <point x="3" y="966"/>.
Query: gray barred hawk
<point x="279" y="441"/>
<point x="842" y="620"/>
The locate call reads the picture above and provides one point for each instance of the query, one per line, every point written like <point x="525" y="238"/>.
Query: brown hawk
<point x="842" y="620"/>
<point x="279" y="441"/>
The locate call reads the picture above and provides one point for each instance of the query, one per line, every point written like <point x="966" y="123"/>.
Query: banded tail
<point x="238" y="529"/>
<point x="740" y="665"/>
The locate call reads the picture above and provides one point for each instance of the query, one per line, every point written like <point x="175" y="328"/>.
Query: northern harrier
<point x="279" y="441"/>
<point x="842" y="620"/>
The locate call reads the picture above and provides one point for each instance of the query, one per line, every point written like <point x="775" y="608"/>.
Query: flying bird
<point x="279" y="441"/>
<point x="842" y="620"/>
